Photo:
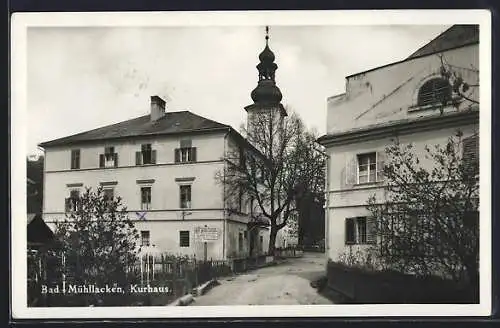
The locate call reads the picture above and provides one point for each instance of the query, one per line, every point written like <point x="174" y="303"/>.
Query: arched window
<point x="434" y="91"/>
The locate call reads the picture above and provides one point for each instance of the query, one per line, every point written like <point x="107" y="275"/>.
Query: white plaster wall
<point x="165" y="236"/>
<point x="400" y="83"/>
<point x="210" y="147"/>
<point x="349" y="201"/>
<point x="205" y="192"/>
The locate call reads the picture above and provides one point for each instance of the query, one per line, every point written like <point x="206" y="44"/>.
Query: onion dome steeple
<point x="266" y="90"/>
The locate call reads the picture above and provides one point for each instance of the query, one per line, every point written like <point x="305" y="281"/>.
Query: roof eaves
<point x="57" y="142"/>
<point x="411" y="58"/>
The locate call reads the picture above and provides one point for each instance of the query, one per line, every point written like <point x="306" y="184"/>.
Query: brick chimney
<point x="157" y="108"/>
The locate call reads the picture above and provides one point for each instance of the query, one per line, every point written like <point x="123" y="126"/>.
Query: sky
<point x="81" y="78"/>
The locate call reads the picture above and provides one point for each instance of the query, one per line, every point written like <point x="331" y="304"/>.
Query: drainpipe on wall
<point x="327" y="209"/>
<point x="224" y="221"/>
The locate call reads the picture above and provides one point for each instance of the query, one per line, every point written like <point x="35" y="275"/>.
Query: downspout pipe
<point x="327" y="209"/>
<point x="224" y="212"/>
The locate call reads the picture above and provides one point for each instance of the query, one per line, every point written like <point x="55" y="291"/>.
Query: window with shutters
<point x="185" y="196"/>
<point x="72" y="202"/>
<point x="75" y="159"/>
<point x="145" y="198"/>
<point x="109" y="158"/>
<point x="145" y="238"/>
<point x="146" y="156"/>
<point x="367" y="168"/>
<point x="470" y="153"/>
<point x="184" y="238"/>
<point x="186" y="153"/>
<point x="435" y="91"/>
<point x="360" y="230"/>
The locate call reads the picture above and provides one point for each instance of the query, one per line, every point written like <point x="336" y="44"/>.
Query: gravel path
<point x="284" y="284"/>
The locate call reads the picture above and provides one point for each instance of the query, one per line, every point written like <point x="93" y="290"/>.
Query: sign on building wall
<point x="206" y="234"/>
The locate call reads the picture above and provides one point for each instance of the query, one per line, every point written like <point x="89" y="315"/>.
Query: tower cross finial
<point x="267" y="34"/>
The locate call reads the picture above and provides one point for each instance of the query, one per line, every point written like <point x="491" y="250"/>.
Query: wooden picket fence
<point x="179" y="273"/>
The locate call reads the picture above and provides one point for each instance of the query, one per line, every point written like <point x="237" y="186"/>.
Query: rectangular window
<point x="146" y="156"/>
<point x="75" y="159"/>
<point x="185" y="155"/>
<point x="185" y="196"/>
<point x="146" y="153"/>
<point x="240" y="242"/>
<point x="252" y="201"/>
<point x="145" y="198"/>
<point x="108" y="195"/>
<point x="358" y="232"/>
<point x="145" y="238"/>
<point x="109" y="158"/>
<point x="184" y="238"/>
<point x="367" y="168"/>
<point x="261" y="242"/>
<point x="72" y="202"/>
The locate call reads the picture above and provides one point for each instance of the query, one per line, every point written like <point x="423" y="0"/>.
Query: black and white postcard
<point x="251" y="164"/>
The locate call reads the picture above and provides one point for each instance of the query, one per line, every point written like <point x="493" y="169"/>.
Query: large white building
<point x="164" y="165"/>
<point x="399" y="99"/>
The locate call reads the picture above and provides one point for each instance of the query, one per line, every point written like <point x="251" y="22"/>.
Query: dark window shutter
<point x="67" y="204"/>
<point x="351" y="171"/>
<point x="193" y="154"/>
<point x="115" y="155"/>
<point x="153" y="157"/>
<point x="380" y="165"/>
<point x="177" y="155"/>
<point x="470" y="153"/>
<point x="371" y="230"/>
<point x="138" y="157"/>
<point x="349" y="231"/>
<point x="101" y="160"/>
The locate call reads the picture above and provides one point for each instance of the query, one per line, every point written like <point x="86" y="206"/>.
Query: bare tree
<point x="460" y="88"/>
<point x="279" y="167"/>
<point x="427" y="222"/>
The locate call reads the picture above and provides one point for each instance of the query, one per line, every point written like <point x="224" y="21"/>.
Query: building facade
<point x="166" y="168"/>
<point x="163" y="166"/>
<point x="402" y="100"/>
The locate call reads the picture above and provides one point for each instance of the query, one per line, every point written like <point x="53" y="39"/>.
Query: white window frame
<point x="368" y="165"/>
<point x="185" y="155"/>
<point x="74" y="206"/>
<point x="190" y="202"/>
<point x="148" y="239"/>
<point x="357" y="233"/>
<point x="148" y="206"/>
<point x="109" y="188"/>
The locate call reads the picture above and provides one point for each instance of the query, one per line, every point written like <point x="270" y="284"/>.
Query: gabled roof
<point x="172" y="123"/>
<point x="454" y="37"/>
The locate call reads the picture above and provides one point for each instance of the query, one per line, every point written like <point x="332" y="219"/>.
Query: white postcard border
<point x="18" y="114"/>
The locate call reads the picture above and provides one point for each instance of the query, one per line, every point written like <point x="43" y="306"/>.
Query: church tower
<point x="266" y="96"/>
